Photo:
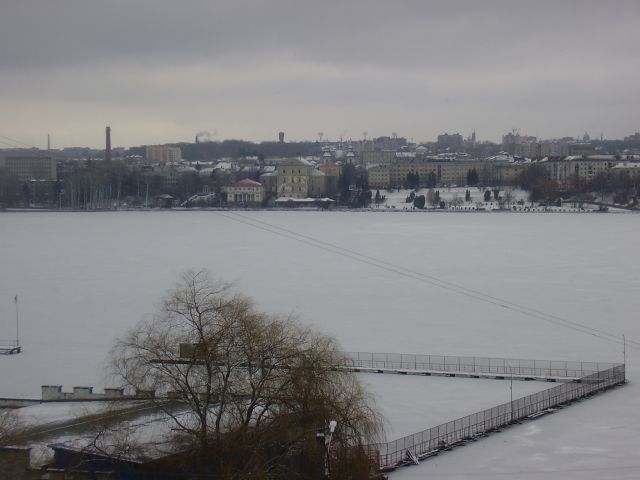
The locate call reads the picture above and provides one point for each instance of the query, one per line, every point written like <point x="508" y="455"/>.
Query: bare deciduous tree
<point x="256" y="388"/>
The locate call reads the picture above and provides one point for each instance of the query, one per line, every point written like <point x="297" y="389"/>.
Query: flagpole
<point x="15" y="299"/>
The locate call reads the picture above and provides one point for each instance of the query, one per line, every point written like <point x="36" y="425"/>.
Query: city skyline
<point x="203" y="137"/>
<point x="160" y="72"/>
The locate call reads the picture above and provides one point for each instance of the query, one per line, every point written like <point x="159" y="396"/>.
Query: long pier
<point x="576" y="380"/>
<point x="572" y="381"/>
<point x="471" y="367"/>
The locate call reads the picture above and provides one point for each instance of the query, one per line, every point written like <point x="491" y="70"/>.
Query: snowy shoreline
<point x="612" y="210"/>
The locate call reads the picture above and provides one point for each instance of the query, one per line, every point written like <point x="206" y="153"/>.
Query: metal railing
<point x="472" y="365"/>
<point x="479" y="423"/>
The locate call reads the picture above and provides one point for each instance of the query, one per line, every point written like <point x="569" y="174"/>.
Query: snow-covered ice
<point x="412" y="403"/>
<point x="83" y="278"/>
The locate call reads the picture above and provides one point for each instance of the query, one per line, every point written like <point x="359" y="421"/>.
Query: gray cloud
<point x="165" y="70"/>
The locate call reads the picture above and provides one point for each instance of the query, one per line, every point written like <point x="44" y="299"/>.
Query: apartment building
<point x="454" y="172"/>
<point x="161" y="154"/>
<point x="29" y="166"/>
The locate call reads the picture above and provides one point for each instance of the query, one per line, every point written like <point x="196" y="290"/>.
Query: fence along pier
<point x="576" y="380"/>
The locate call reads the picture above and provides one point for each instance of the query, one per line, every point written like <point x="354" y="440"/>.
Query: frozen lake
<point x="83" y="278"/>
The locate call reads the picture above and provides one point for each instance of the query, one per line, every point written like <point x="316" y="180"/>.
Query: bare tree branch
<point x="256" y="388"/>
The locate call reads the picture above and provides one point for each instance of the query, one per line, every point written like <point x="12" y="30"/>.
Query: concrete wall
<point x="54" y="392"/>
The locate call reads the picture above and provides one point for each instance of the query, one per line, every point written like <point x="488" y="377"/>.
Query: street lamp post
<point x="15" y="300"/>
<point x="326" y="439"/>
<point x="511" y="393"/>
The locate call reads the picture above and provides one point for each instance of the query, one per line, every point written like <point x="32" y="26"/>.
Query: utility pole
<point x="624" y="356"/>
<point x="325" y="438"/>
<point x="15" y="300"/>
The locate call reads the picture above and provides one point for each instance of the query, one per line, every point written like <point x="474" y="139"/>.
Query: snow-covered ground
<point x="594" y="439"/>
<point x="83" y="278"/>
<point x="454" y="197"/>
<point x="396" y="199"/>
<point x="54" y="413"/>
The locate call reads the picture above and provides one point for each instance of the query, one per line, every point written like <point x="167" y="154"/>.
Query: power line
<point x="29" y="150"/>
<point x="10" y="144"/>
<point x="18" y="141"/>
<point x="450" y="286"/>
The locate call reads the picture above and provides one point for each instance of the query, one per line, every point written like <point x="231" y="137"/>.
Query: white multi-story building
<point x="245" y="192"/>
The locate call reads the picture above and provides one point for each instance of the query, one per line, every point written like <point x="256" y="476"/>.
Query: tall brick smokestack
<point x="107" y="150"/>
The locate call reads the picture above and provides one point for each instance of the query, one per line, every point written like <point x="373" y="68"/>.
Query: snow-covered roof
<point x="224" y="166"/>
<point x="185" y="169"/>
<point x="601" y="157"/>
<point x="247" y="183"/>
<point x="152" y="437"/>
<point x="590" y="157"/>
<point x="504" y="157"/>
<point x="627" y="165"/>
<point x="52" y="413"/>
<point x="296" y="161"/>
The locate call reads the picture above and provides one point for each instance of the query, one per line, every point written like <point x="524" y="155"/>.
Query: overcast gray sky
<point x="158" y="71"/>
